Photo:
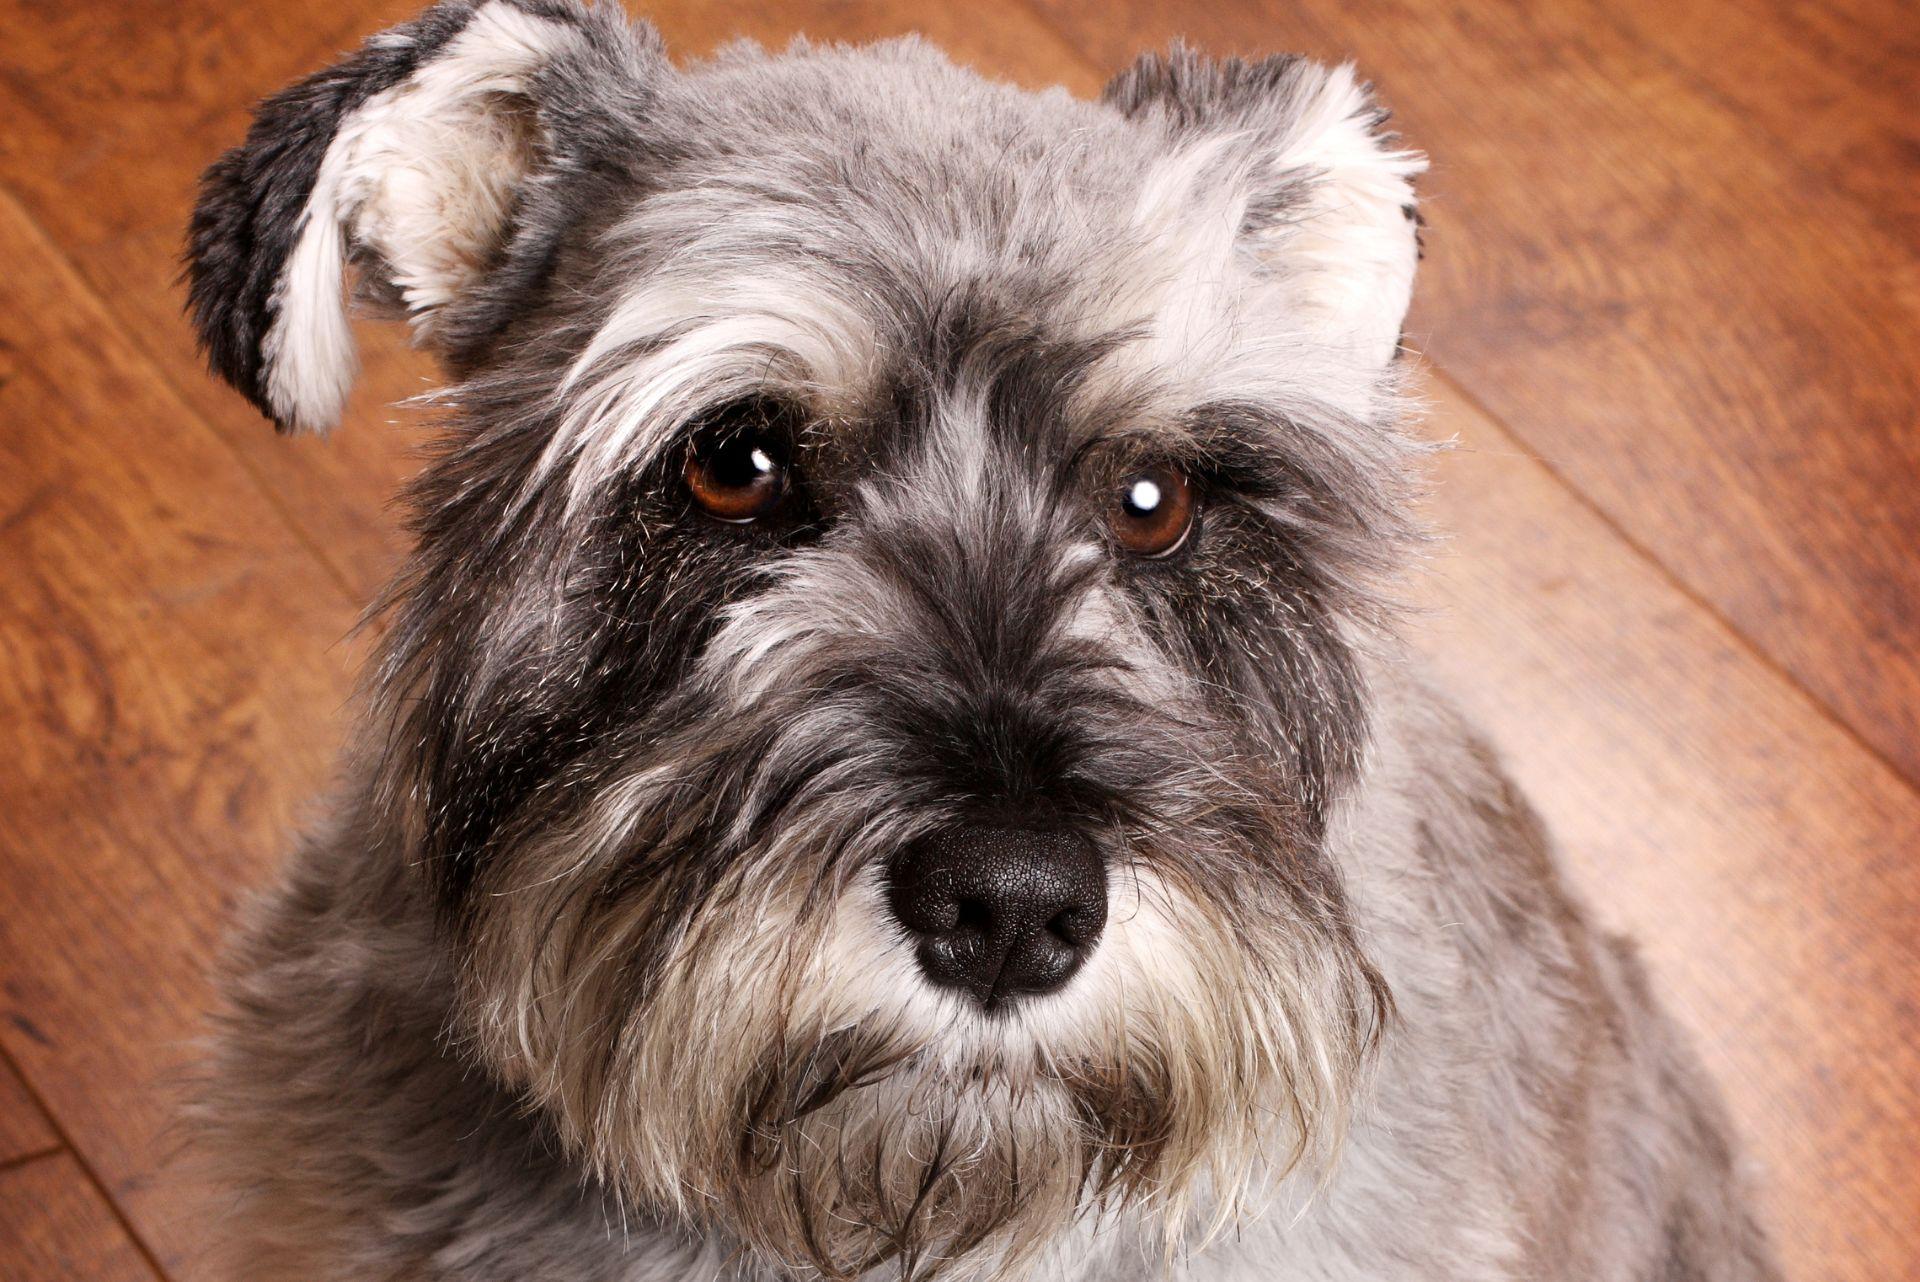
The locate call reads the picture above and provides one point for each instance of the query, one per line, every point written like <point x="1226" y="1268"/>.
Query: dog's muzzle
<point x="1001" y="912"/>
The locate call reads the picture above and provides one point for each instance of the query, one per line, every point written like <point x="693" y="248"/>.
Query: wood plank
<point x="1716" y="351"/>
<point x="170" y="682"/>
<point x="113" y="110"/>
<point x="1833" y="85"/>
<point x="55" y="1228"/>
<point x="24" y="1129"/>
<point x="1762" y="859"/>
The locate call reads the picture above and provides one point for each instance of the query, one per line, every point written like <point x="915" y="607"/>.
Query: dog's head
<point x="881" y="652"/>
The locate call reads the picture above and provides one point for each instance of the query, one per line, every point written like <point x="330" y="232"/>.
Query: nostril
<point x="999" y="912"/>
<point x="973" y="915"/>
<point x="1075" y="927"/>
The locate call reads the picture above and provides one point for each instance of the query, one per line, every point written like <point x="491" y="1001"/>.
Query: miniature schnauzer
<point x="888" y="758"/>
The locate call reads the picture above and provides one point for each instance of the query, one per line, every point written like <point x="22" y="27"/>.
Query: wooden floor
<point x="1672" y="305"/>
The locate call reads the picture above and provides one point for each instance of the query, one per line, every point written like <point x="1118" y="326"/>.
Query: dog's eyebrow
<point x="1152" y="423"/>
<point x="673" y="350"/>
<point x="1260" y="451"/>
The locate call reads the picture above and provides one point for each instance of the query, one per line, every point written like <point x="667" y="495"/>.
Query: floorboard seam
<point x="19" y="1160"/>
<point x="1640" y="551"/>
<point x="165" y="380"/>
<point x="86" y="1168"/>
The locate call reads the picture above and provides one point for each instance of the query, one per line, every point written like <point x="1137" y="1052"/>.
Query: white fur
<point x="1322" y="321"/>
<point x="1353" y="250"/>
<point x="705" y="341"/>
<point x="423" y="175"/>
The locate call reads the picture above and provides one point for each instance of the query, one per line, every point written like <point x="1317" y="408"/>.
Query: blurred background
<point x="1670" y="310"/>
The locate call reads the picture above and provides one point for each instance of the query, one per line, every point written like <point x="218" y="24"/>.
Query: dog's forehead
<point x="907" y="195"/>
<point x="869" y="230"/>
<point x="897" y="128"/>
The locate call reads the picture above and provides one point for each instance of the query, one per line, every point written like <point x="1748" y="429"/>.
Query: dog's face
<point x="881" y="651"/>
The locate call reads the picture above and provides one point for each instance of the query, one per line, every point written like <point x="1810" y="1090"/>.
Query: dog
<point x="890" y="756"/>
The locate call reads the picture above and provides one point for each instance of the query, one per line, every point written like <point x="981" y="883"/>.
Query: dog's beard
<point x="693" y="972"/>
<point x="774" y="1066"/>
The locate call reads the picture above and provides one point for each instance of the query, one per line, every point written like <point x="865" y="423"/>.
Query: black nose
<point x="1000" y="912"/>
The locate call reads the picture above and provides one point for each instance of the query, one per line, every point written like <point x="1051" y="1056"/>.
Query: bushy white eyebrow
<point x="678" y="346"/>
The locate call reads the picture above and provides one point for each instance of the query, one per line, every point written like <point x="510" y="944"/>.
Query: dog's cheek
<point x="567" y="683"/>
<point x="1262" y="636"/>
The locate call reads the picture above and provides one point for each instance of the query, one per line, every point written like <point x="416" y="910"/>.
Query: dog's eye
<point x="737" y="473"/>
<point x="1152" y="512"/>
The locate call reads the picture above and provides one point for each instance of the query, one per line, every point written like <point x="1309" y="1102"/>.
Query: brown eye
<point x="1152" y="512"/>
<point x="738" y="475"/>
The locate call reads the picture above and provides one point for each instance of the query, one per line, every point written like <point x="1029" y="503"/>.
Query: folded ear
<point x="410" y="158"/>
<point x="1327" y="197"/>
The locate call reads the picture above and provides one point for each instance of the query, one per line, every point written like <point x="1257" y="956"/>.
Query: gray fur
<point x="589" y="974"/>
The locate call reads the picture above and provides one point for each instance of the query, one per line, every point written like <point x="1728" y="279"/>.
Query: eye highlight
<point x="738" y="471"/>
<point x="1151" y="511"/>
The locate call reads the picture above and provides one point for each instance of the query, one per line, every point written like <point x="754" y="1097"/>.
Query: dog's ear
<point x="1326" y="197"/>
<point x="415" y="159"/>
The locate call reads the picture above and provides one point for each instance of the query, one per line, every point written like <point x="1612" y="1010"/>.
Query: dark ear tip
<point x="254" y="204"/>
<point x="251" y="204"/>
<point x="1195" y="88"/>
<point x="1137" y="83"/>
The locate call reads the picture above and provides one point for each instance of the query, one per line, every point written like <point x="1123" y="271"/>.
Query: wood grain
<point x="170" y="678"/>
<point x="23" y="1127"/>
<point x="127" y="104"/>
<point x="1832" y="85"/>
<point x="55" y="1228"/>
<point x="1711" y="347"/>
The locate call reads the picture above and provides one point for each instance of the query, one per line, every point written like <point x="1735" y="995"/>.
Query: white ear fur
<point x="424" y="176"/>
<point x="1350" y="247"/>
